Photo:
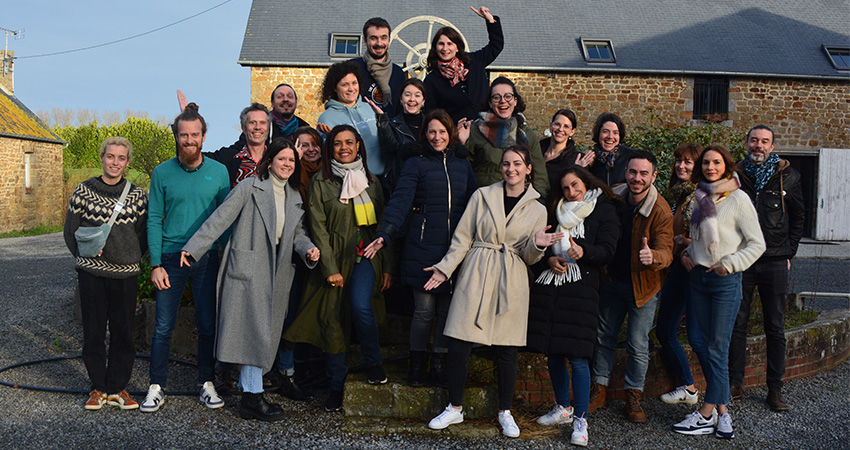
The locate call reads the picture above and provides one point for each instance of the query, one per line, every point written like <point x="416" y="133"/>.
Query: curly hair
<point x="335" y="74"/>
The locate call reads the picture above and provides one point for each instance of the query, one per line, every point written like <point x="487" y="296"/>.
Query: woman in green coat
<point x="345" y="205"/>
<point x="499" y="126"/>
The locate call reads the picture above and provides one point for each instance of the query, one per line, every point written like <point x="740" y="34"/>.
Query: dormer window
<point x="344" y="45"/>
<point x="598" y="50"/>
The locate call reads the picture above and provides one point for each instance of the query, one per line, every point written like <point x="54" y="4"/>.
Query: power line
<point x="126" y="38"/>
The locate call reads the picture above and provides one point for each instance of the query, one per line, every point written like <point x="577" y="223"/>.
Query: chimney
<point x="7" y="75"/>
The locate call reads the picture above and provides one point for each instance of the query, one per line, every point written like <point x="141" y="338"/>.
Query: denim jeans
<point x="203" y="274"/>
<point x="426" y="306"/>
<point x="672" y="304"/>
<point x="715" y="301"/>
<point x="560" y="377"/>
<point x="285" y="357"/>
<point x="771" y="277"/>
<point x="251" y="379"/>
<point x="616" y="300"/>
<point x="361" y="285"/>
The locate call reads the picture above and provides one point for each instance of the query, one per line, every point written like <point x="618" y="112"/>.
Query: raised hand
<point x="372" y="249"/>
<point x="437" y="278"/>
<point x="463" y="130"/>
<point x="542" y="239"/>
<point x="575" y="251"/>
<point x="645" y="254"/>
<point x="584" y="160"/>
<point x="375" y="107"/>
<point x="484" y="13"/>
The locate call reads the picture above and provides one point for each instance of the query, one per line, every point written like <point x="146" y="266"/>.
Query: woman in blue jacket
<point x="433" y="190"/>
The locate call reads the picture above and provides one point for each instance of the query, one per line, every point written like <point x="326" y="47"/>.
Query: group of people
<point x="290" y="236"/>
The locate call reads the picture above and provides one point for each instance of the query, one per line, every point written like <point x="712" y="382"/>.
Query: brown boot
<point x="736" y="392"/>
<point x="634" y="413"/>
<point x="776" y="401"/>
<point x="597" y="396"/>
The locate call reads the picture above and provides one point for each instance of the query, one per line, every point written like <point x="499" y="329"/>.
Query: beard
<point x="758" y="158"/>
<point x="376" y="57"/>
<point x="190" y="156"/>
<point x="645" y="188"/>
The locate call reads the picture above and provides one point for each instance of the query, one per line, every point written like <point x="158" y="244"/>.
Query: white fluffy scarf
<point x="571" y="217"/>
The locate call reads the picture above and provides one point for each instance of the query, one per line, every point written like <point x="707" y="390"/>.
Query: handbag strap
<point x="120" y="205"/>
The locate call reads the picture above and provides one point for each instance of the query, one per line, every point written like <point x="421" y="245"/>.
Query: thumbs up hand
<point x="575" y="251"/>
<point x="645" y="254"/>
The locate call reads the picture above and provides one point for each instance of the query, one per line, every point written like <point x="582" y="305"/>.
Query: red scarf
<point x="454" y="70"/>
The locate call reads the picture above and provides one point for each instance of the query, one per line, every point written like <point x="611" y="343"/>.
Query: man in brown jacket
<point x="644" y="249"/>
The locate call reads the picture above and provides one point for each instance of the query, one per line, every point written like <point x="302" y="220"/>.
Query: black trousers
<point x="113" y="301"/>
<point x="457" y="370"/>
<point x="771" y="277"/>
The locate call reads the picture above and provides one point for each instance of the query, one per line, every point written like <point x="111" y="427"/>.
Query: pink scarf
<point x="454" y="70"/>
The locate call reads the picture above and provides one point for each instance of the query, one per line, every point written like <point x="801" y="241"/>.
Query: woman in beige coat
<point x="502" y="231"/>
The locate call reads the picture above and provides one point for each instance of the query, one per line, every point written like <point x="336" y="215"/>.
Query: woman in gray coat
<point x="256" y="271"/>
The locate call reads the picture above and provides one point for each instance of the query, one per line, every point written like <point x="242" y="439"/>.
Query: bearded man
<point x="381" y="79"/>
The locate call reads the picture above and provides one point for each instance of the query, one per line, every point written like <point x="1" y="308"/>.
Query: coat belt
<point x="502" y="282"/>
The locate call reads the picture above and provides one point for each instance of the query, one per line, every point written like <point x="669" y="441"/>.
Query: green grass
<point x="41" y="229"/>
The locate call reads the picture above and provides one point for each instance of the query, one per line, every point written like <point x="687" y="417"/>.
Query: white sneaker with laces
<point x="680" y="395"/>
<point x="509" y="426"/>
<point x="210" y="397"/>
<point x="153" y="400"/>
<point x="579" y="436"/>
<point x="724" y="427"/>
<point x="449" y="416"/>
<point x="556" y="416"/>
<point x="695" y="424"/>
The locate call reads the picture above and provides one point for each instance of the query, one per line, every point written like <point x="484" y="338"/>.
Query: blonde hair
<point x="118" y="140"/>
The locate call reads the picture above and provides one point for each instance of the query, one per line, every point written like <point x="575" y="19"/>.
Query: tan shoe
<point x="634" y="413"/>
<point x="597" y="396"/>
<point x="96" y="400"/>
<point x="122" y="400"/>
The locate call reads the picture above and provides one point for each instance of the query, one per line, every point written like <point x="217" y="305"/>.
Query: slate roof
<point x="17" y="121"/>
<point x="756" y="38"/>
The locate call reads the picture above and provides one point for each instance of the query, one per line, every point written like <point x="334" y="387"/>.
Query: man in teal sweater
<point x="184" y="192"/>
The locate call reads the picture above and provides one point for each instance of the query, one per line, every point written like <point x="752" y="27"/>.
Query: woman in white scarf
<point x="564" y="300"/>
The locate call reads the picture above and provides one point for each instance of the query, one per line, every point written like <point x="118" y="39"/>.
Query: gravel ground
<point x="36" y="297"/>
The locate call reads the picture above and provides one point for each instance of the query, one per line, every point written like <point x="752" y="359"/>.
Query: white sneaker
<point x="154" y="399"/>
<point x="680" y="395"/>
<point x="579" y="436"/>
<point x="556" y="416"/>
<point x="695" y="424"/>
<point x="210" y="397"/>
<point x="449" y="416"/>
<point x="724" y="427"/>
<point x="509" y="427"/>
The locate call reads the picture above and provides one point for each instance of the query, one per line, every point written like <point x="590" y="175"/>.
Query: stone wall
<point x="805" y="114"/>
<point x="42" y="203"/>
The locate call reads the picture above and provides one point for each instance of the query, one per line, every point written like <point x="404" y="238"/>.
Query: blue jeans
<point x="673" y="303"/>
<point x="715" y="301"/>
<point x="616" y="300"/>
<point x="361" y="285"/>
<point x="285" y="358"/>
<point x="560" y="377"/>
<point x="251" y="379"/>
<point x="203" y="274"/>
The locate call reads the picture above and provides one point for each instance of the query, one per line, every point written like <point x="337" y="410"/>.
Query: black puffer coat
<point x="562" y="319"/>
<point x="433" y="190"/>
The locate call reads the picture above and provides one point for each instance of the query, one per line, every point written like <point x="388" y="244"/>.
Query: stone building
<point x="782" y="63"/>
<point x="31" y="180"/>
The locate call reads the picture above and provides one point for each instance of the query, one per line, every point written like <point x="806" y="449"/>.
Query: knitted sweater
<point x="180" y="202"/>
<point x="741" y="240"/>
<point x="91" y="205"/>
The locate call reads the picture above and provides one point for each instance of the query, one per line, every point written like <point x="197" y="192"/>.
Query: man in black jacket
<point x="774" y="187"/>
<point x="243" y="157"/>
<point x="381" y="79"/>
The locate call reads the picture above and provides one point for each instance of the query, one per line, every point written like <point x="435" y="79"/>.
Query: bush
<point x="152" y="143"/>
<point x="662" y="138"/>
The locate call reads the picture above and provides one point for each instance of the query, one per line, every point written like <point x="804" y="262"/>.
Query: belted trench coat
<point x="493" y="250"/>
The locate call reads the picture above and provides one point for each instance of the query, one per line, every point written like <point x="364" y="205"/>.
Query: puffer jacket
<point x="432" y="193"/>
<point x="780" y="210"/>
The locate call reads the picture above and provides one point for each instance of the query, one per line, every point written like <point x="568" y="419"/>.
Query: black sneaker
<point x="334" y="401"/>
<point x="377" y="375"/>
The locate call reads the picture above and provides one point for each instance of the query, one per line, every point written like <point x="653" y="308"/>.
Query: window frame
<point x="831" y="50"/>
<point x="585" y="42"/>
<point x="336" y="37"/>
<point x="711" y="83"/>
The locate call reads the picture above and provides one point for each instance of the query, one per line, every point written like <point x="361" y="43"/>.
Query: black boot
<point x="416" y="369"/>
<point x="255" y="406"/>
<point x="438" y="370"/>
<point x="289" y="389"/>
